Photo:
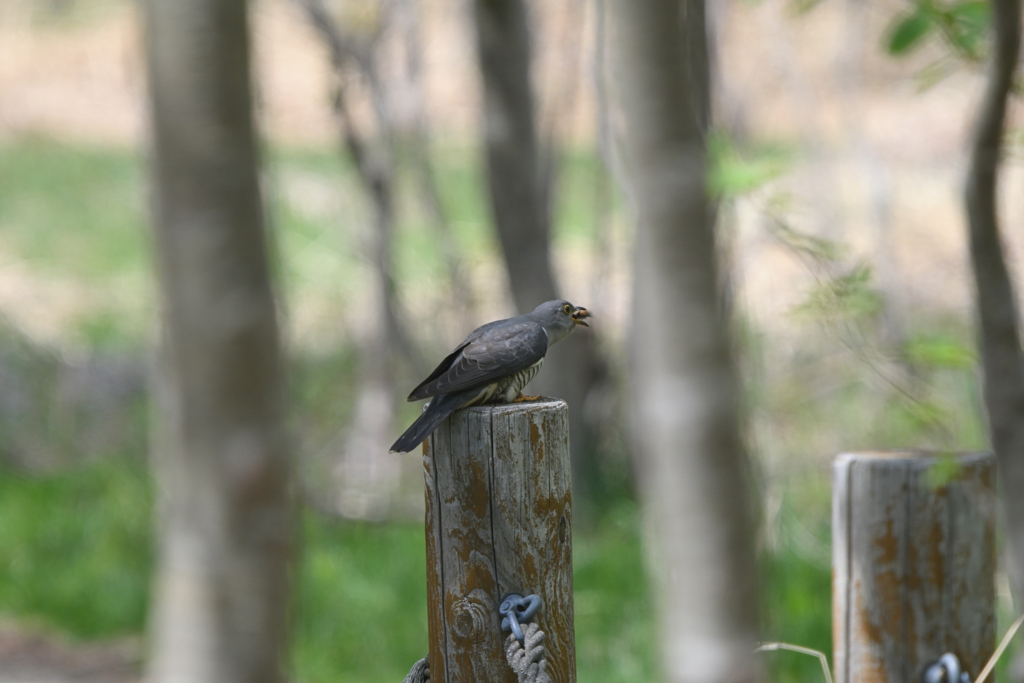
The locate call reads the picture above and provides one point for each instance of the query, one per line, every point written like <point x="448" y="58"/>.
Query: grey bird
<point x="493" y="364"/>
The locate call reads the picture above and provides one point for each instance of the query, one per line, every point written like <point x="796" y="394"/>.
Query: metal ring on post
<point x="516" y="610"/>
<point x="946" y="669"/>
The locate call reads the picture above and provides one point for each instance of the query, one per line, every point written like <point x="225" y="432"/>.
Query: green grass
<point x="798" y="611"/>
<point x="76" y="551"/>
<point x="615" y="636"/>
<point x="361" y="612"/>
<point x="73" y="211"/>
<point x="76" y="555"/>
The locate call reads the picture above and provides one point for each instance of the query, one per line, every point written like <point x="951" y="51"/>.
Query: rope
<point x="419" y="673"/>
<point x="527" y="659"/>
<point x="524" y="647"/>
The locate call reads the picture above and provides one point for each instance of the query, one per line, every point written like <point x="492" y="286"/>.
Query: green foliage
<point x="361" y="603"/>
<point x="939" y="351"/>
<point x="74" y="211"/>
<point x="965" y="26"/>
<point x="909" y="30"/>
<point x="72" y="219"/>
<point x="961" y="25"/>
<point x="847" y="294"/>
<point x="798" y="610"/>
<point x="615" y="635"/>
<point x="921" y="414"/>
<point x="323" y="386"/>
<point x="75" y="547"/>
<point x="922" y="378"/>
<point x="76" y="553"/>
<point x="736" y="171"/>
<point x="842" y="288"/>
<point x="944" y="471"/>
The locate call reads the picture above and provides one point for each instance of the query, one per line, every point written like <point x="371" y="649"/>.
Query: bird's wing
<point x="497" y="352"/>
<point x="418" y="394"/>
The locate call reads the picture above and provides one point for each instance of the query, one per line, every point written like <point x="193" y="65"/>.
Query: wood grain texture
<point x="840" y="562"/>
<point x="971" y="558"/>
<point x="533" y="520"/>
<point x="913" y="564"/>
<point x="432" y="523"/>
<point x="499" y="520"/>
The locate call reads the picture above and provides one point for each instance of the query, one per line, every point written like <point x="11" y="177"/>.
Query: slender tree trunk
<point x="518" y="178"/>
<point x="367" y="479"/>
<point x="684" y="389"/>
<point x="1002" y="357"/>
<point x="518" y="191"/>
<point x="220" y="609"/>
<point x="410" y="22"/>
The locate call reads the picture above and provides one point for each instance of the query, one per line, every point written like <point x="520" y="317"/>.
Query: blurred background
<point x="839" y="155"/>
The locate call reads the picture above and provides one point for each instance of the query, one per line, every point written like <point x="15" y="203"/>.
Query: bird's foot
<point x="524" y="397"/>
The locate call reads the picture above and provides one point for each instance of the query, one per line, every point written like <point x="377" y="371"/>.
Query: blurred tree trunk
<point x="519" y="178"/>
<point x="366" y="479"/>
<point x="517" y="175"/>
<point x="409" y="18"/>
<point x="220" y="610"/>
<point x="1002" y="357"/>
<point x="684" y="393"/>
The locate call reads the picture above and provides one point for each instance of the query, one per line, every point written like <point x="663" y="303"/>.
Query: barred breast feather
<point x="510" y="387"/>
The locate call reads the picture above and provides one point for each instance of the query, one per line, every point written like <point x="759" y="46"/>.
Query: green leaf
<point x="909" y="31"/>
<point x="934" y="73"/>
<point x="973" y="13"/>
<point x="848" y="295"/>
<point x="945" y="471"/>
<point x="967" y="27"/>
<point x="927" y="413"/>
<point x="735" y="171"/>
<point x="939" y="352"/>
<point x="854" y="295"/>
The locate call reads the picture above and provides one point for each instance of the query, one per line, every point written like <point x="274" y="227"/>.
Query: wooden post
<point x="913" y="562"/>
<point x="498" y="520"/>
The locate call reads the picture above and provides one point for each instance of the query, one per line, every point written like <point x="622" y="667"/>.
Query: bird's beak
<point x="579" y="314"/>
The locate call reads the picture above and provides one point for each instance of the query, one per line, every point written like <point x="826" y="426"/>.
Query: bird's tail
<point x="438" y="409"/>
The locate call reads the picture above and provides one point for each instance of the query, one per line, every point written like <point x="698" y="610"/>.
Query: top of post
<point x="916" y="455"/>
<point x="542" y="403"/>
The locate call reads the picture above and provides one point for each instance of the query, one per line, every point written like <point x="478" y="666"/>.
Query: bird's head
<point x="559" y="318"/>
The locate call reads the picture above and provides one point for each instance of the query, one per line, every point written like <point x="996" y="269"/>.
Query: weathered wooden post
<point x="913" y="562"/>
<point x="498" y="520"/>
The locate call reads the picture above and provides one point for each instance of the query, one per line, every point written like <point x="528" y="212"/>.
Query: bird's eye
<point x="567" y="308"/>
